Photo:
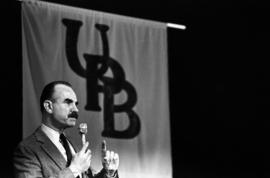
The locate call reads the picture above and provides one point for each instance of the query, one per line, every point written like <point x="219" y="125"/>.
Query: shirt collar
<point x="51" y="133"/>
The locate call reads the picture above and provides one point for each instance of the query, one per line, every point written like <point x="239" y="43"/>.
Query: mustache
<point x="74" y="115"/>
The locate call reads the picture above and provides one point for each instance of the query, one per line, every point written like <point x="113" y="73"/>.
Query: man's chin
<point x="72" y="122"/>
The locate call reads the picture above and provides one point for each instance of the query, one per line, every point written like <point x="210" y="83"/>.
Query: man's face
<point x="64" y="107"/>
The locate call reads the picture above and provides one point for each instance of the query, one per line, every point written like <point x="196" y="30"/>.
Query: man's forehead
<point x="63" y="91"/>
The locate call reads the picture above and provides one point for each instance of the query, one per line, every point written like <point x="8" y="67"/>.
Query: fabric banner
<point x="118" y="68"/>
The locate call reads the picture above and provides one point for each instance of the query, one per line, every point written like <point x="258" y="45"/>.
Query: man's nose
<point x="75" y="108"/>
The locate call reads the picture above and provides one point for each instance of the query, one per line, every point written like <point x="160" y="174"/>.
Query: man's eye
<point x="68" y="101"/>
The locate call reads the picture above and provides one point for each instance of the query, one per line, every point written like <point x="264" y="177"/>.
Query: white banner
<point x="118" y="68"/>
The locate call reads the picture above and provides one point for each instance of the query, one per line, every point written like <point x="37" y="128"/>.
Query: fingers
<point x="110" y="159"/>
<point x="88" y="155"/>
<point x="111" y="164"/>
<point x="116" y="159"/>
<point x="112" y="154"/>
<point x="83" y="139"/>
<point x="106" y="156"/>
<point x="103" y="148"/>
<point x="85" y="146"/>
<point x="88" y="152"/>
<point x="82" y="160"/>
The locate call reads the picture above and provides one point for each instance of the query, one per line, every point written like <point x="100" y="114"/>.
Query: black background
<point x="218" y="78"/>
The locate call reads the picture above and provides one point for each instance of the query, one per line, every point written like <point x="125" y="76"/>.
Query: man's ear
<point x="48" y="106"/>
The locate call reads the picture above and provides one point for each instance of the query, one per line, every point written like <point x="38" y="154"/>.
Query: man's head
<point x="58" y="104"/>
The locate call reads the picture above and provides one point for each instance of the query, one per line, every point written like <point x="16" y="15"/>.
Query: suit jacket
<point x="38" y="157"/>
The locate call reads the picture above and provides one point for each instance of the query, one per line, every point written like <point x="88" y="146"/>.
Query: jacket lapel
<point x="51" y="150"/>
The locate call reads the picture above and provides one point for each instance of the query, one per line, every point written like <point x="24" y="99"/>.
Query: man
<point x="43" y="155"/>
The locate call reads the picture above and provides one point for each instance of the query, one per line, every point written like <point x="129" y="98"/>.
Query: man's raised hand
<point x="81" y="161"/>
<point x="110" y="159"/>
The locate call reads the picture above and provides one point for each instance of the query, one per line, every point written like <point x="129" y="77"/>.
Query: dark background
<point x="219" y="81"/>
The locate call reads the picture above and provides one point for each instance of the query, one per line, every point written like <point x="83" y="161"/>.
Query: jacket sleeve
<point x="27" y="165"/>
<point x="101" y="174"/>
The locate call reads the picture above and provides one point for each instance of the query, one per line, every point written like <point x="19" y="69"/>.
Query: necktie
<point x="65" y="144"/>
